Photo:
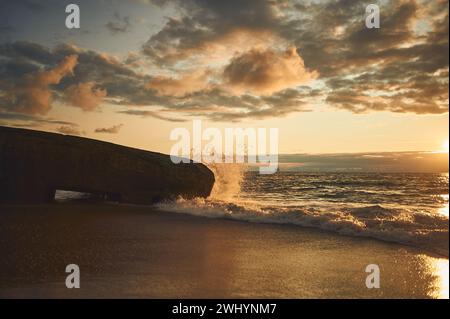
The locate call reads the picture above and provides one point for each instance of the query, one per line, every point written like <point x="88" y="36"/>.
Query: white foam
<point x="421" y="229"/>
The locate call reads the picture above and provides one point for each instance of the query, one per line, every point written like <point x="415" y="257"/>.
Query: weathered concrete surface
<point x="34" y="164"/>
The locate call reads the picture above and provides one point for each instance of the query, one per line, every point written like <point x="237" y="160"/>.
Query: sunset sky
<point x="137" y="69"/>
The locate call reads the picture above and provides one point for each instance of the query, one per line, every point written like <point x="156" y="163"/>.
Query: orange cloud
<point x="84" y="95"/>
<point x="32" y="94"/>
<point x="186" y="83"/>
<point x="266" y="71"/>
<point x="259" y="70"/>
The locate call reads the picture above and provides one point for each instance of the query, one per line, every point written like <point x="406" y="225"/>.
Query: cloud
<point x="266" y="72"/>
<point x="397" y="68"/>
<point x="120" y="81"/>
<point x="30" y="121"/>
<point x="109" y="130"/>
<point x="70" y="130"/>
<point x="218" y="105"/>
<point x="201" y="24"/>
<point x="156" y="115"/>
<point x="257" y="71"/>
<point x="22" y="51"/>
<point x="188" y="82"/>
<point x="84" y="95"/>
<point x="235" y="60"/>
<point x="119" y="24"/>
<point x="32" y="95"/>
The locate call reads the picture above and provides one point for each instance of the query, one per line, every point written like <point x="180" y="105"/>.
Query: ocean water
<point x="410" y="209"/>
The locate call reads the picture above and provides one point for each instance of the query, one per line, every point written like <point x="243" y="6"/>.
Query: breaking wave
<point x="420" y="229"/>
<point x="398" y="208"/>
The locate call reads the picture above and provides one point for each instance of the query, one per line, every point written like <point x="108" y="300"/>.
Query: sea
<point x="405" y="208"/>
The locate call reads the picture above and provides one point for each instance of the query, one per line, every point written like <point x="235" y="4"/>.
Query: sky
<point x="137" y="69"/>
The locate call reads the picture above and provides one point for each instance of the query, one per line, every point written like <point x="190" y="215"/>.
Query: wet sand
<point x="139" y="252"/>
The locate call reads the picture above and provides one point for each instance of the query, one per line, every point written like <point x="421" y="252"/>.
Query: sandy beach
<point x="138" y="251"/>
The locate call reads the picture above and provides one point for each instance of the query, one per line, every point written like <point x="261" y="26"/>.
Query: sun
<point x="445" y="146"/>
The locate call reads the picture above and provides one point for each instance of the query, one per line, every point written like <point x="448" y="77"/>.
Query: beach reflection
<point x="438" y="268"/>
<point x="444" y="210"/>
<point x="441" y="268"/>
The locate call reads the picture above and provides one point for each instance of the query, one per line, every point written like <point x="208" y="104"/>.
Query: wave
<point x="420" y="229"/>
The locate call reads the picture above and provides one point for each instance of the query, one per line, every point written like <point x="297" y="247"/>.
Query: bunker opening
<point x="66" y="195"/>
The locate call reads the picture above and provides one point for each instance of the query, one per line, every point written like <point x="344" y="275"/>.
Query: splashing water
<point x="229" y="177"/>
